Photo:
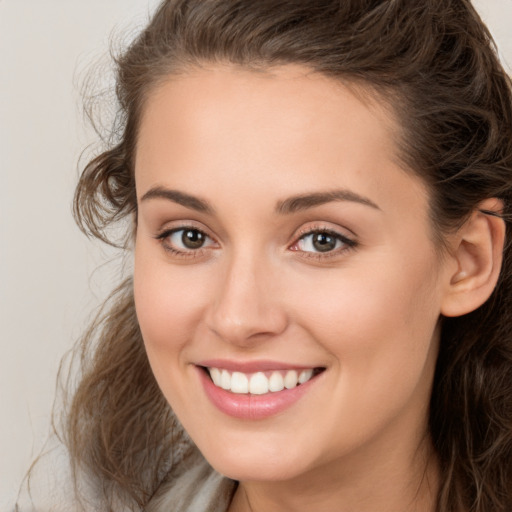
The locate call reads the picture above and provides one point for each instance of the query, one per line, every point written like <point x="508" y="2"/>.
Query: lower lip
<point x="252" y="407"/>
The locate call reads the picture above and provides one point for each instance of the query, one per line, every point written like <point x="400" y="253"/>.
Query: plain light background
<point x="48" y="283"/>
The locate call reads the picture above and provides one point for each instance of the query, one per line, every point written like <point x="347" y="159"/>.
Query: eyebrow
<point x="291" y="205"/>
<point x="187" y="200"/>
<point x="305" y="201"/>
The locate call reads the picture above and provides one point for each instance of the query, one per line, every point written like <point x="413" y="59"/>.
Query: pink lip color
<point x="252" y="407"/>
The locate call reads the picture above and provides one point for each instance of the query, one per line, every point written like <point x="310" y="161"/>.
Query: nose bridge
<point x="246" y="303"/>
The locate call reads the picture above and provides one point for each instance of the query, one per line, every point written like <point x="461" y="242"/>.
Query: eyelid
<point x="328" y="227"/>
<point x="179" y="224"/>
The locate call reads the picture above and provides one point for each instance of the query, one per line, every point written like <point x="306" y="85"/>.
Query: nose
<point x="247" y="306"/>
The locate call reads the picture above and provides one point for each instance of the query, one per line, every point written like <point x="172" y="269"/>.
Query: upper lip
<point x="253" y="366"/>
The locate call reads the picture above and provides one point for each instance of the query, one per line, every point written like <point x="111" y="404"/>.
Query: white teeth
<point x="259" y="383"/>
<point x="305" y="375"/>
<point x="290" y="379"/>
<point x="225" y="380"/>
<point x="239" y="383"/>
<point x="216" y="376"/>
<point x="276" y="382"/>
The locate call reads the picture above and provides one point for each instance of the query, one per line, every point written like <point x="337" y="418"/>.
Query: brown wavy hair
<point x="435" y="64"/>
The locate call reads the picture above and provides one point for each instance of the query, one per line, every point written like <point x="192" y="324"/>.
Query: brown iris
<point x="192" y="238"/>
<point x="324" y="242"/>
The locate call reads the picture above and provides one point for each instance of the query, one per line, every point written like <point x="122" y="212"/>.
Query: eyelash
<point x="348" y="243"/>
<point x="190" y="253"/>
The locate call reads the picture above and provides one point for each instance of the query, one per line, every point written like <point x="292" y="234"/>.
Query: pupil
<point x="324" y="242"/>
<point x="192" y="239"/>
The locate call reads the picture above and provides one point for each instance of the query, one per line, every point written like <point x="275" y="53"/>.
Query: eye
<point x="323" y="241"/>
<point x="185" y="240"/>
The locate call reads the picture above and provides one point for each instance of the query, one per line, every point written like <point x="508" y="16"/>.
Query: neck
<point x="393" y="483"/>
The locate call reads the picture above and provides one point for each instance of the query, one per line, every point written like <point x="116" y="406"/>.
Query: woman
<point x="318" y="195"/>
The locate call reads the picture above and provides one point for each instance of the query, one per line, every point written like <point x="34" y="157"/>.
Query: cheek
<point x="364" y="306"/>
<point x="382" y="338"/>
<point x="169" y="301"/>
<point x="378" y="326"/>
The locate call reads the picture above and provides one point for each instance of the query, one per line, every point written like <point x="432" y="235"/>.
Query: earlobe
<point x="478" y="253"/>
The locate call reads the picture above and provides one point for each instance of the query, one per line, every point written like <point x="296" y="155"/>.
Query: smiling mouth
<point x="260" y="383"/>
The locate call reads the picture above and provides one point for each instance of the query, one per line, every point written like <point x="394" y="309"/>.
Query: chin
<point x="256" y="471"/>
<point x="256" y="463"/>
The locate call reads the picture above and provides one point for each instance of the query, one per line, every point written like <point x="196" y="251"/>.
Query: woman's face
<point x="283" y="252"/>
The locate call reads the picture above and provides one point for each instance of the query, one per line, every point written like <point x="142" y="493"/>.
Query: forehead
<point x="281" y="132"/>
<point x="286" y="98"/>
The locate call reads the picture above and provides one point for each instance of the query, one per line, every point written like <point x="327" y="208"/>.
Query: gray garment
<point x="197" y="487"/>
<point x="192" y="486"/>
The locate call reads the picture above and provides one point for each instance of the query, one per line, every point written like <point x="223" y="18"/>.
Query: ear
<point x="477" y="251"/>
